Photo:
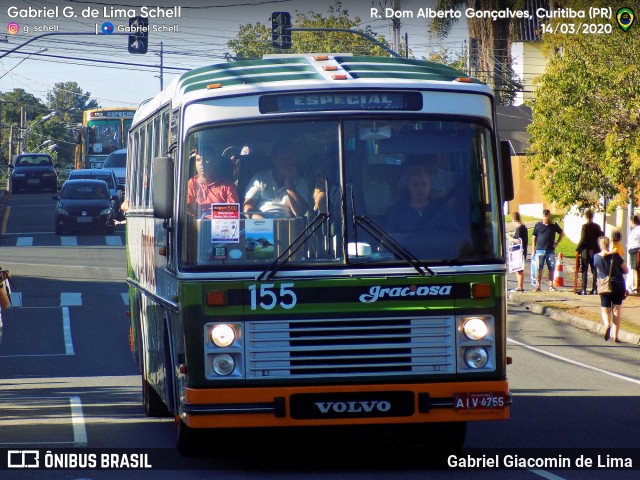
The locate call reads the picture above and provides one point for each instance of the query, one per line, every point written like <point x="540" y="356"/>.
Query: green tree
<point x="12" y="105"/>
<point x="254" y="41"/>
<point x="585" y="138"/>
<point x="448" y="57"/>
<point x="491" y="44"/>
<point x="69" y="101"/>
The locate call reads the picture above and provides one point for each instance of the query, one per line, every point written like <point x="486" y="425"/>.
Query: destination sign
<point x="334" y="101"/>
<point x="112" y="114"/>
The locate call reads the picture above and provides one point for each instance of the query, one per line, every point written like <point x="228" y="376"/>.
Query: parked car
<point x="109" y="178"/>
<point x="84" y="205"/>
<point x="33" y="171"/>
<point x="117" y="161"/>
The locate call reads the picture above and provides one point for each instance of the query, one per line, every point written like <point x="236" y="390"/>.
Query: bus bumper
<point x="346" y="405"/>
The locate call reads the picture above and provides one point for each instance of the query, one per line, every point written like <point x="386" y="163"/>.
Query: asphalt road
<point x="67" y="379"/>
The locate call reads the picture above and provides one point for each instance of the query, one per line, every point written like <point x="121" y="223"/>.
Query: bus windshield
<point x="421" y="185"/>
<point x="105" y="136"/>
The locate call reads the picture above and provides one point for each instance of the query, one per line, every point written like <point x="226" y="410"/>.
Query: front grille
<point x="360" y="347"/>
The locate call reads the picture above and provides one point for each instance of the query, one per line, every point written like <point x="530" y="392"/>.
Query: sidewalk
<point x="581" y="311"/>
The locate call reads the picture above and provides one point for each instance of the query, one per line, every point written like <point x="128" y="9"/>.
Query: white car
<point x="117" y="161"/>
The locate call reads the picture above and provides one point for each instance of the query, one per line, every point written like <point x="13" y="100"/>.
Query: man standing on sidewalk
<point x="544" y="241"/>
<point x="587" y="248"/>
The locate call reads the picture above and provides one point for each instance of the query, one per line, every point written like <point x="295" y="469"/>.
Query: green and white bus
<point x="365" y="306"/>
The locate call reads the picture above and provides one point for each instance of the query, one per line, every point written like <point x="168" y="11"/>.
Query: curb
<point x="574" y="320"/>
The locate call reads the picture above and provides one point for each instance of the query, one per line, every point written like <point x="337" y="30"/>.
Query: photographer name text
<point x="92" y="12"/>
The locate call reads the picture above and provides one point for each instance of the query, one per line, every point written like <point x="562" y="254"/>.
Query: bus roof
<point x="308" y="71"/>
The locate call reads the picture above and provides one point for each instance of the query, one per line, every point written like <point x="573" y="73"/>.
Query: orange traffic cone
<point x="558" y="276"/>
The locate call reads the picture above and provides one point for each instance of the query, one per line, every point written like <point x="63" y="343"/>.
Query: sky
<point x="101" y="64"/>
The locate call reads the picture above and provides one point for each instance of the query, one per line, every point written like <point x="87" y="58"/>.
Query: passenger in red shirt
<point x="211" y="184"/>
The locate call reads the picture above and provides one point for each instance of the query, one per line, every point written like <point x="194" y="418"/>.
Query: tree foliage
<point x="492" y="47"/>
<point x="585" y="138"/>
<point x="254" y="40"/>
<point x="67" y="99"/>
<point x="448" y="57"/>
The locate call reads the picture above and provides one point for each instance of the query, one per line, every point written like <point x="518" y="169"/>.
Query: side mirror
<point x="507" y="173"/>
<point x="162" y="187"/>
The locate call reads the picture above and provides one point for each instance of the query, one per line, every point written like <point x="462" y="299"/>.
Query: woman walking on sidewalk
<point x="614" y="266"/>
<point x="521" y="237"/>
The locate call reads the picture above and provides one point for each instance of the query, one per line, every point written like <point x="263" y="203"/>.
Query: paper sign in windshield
<point x="225" y="223"/>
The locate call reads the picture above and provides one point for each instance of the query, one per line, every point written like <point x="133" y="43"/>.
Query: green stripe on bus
<point x="244" y="73"/>
<point x="239" y="68"/>
<point x="256" y="80"/>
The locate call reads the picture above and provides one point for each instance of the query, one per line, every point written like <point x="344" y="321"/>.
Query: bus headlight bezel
<point x="476" y="343"/>
<point x="223" y="351"/>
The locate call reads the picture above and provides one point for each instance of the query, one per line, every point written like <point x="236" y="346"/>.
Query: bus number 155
<point x="269" y="298"/>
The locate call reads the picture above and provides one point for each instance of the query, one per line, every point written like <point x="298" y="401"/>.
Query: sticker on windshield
<point x="259" y="240"/>
<point x="225" y="223"/>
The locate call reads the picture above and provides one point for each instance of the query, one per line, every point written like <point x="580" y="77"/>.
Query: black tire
<point x="188" y="439"/>
<point x="151" y="401"/>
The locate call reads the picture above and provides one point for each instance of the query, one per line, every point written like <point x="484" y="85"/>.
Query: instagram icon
<point x="13" y="28"/>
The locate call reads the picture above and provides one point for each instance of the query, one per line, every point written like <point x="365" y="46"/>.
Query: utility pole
<point x="406" y="45"/>
<point x="10" y="159"/>
<point x="23" y="127"/>
<point x="395" y="22"/>
<point x="161" y="76"/>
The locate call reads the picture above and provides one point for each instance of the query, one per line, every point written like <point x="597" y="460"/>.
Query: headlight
<point x="223" y="335"/>
<point x="61" y="211"/>
<point x="476" y="357"/>
<point x="475" y="328"/>
<point x="223" y="364"/>
<point x="106" y="211"/>
<point x="48" y="174"/>
<point x="18" y="175"/>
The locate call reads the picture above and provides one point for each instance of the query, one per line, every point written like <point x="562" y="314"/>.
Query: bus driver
<point x="279" y="191"/>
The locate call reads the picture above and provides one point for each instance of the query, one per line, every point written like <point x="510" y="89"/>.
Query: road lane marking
<point x="24" y="242"/>
<point x="35" y="355"/>
<point x="68" y="299"/>
<point x="69" y="241"/>
<point x="574" y="362"/>
<point x="545" y="474"/>
<point x="66" y="326"/>
<point x="114" y="240"/>
<point x="6" y="220"/>
<point x="61" y="266"/>
<point x="77" y="419"/>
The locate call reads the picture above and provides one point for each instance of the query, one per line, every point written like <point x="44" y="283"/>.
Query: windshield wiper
<point x="391" y="243"/>
<point x="293" y="247"/>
